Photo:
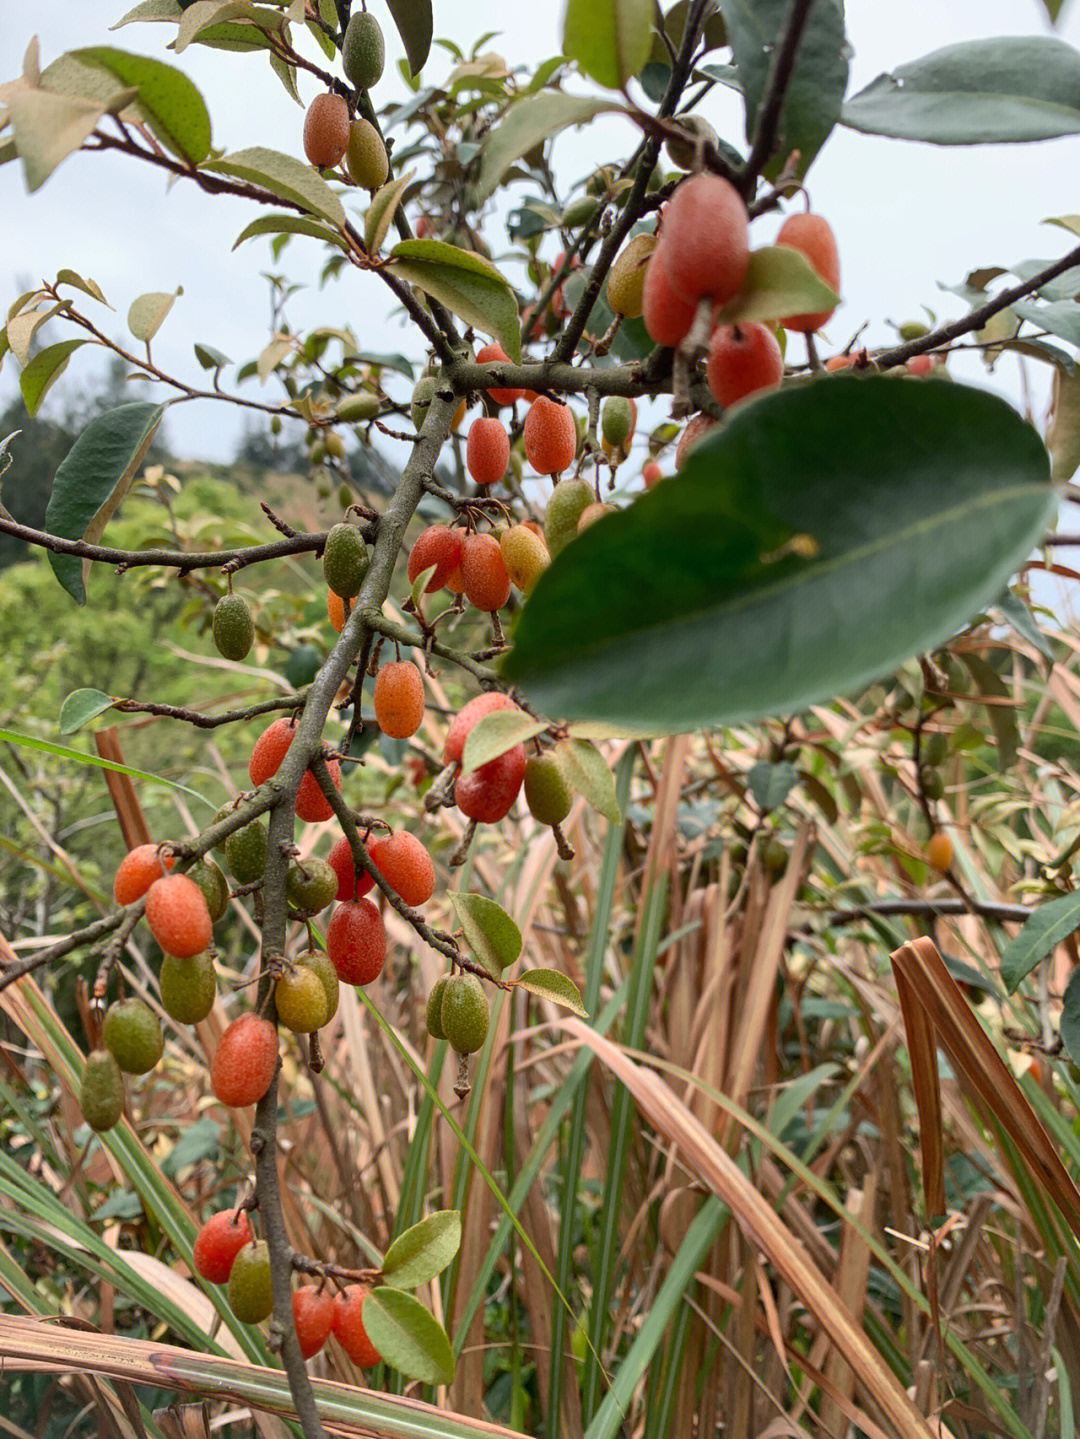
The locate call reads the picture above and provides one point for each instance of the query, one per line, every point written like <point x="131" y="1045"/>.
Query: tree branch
<point x="768" y="122"/>
<point x="181" y="560"/>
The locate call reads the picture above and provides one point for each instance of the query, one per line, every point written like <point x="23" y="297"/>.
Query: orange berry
<point x="138" y="870"/>
<point x="348" y="1326"/>
<point x="244" y="1062"/>
<point x="697" y="427"/>
<point x="178" y="916"/>
<point x="218" y="1243"/>
<point x="705" y="245"/>
<point x="266" y="758"/>
<point x="488" y="355"/>
<point x="487" y="794"/>
<point x="550" y="436"/>
<point x="939" y="851"/>
<point x="311" y="804"/>
<point x="356" y="942"/>
<point x="459" y="415"/>
<point x="841" y="362"/>
<point x="326" y="130"/>
<point x="652" y="474"/>
<point x="405" y="865"/>
<point x="487" y="451"/>
<point x="399" y="699"/>
<point x="667" y="318"/>
<point x="813" y="236"/>
<point x="742" y="359"/>
<point x="467" y="716"/>
<point x="335" y="608"/>
<point x="351" y="884"/>
<point x="920" y="365"/>
<point x="525" y="554"/>
<point x="440" y="546"/>
<point x="484" y="573"/>
<point x="313" y="1316"/>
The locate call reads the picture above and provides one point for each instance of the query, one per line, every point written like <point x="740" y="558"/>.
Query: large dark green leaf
<point x="408" y="1336"/>
<point x="825" y="533"/>
<point x="1040" y="936"/>
<point x="816" y="91"/>
<point x="92" y="480"/>
<point x="172" y="105"/>
<point x="467" y="284"/>
<point x="981" y="92"/>
<point x="414" y="23"/>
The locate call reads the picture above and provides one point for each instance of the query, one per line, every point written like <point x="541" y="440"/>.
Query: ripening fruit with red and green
<point x="469" y="715"/>
<point x="321" y="965"/>
<point x="487" y="450"/>
<point x="313" y="1318"/>
<point x="399" y="699"/>
<point x="251" y="1291"/>
<point x="345" y="561"/>
<point x="244" y="1062"/>
<point x="487" y="794"/>
<point x="352" y="884"/>
<point x="405" y="865"/>
<point x="132" y="1035"/>
<point x="233" y="627"/>
<point x="178" y="916"/>
<point x="705" y="244"/>
<point x="813" y="236"/>
<point x="300" y="1000"/>
<point x="550" y="436"/>
<point x="525" y="555"/>
<point x="218" y="1243"/>
<point x="667" y="317"/>
<point x="484" y="574"/>
<point x="356" y="942"/>
<point x="138" y="870"/>
<point x="363" y="50"/>
<point x="568" y="499"/>
<point x="440" y="546"/>
<point x="101" y="1094"/>
<point x="489" y="354"/>
<point x="742" y="359"/>
<point x="626" y="280"/>
<point x="311" y="885"/>
<point x="464" y="1014"/>
<point x="326" y="130"/>
<point x="348" y="1326"/>
<point x="547" y="791"/>
<point x="188" y="987"/>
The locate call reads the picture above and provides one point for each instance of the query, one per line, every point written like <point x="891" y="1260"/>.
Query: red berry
<point x="138" y="870"/>
<point x="326" y="130"/>
<point x="178" y="916"/>
<point x="467" y="716"/>
<point x="313" y="1315"/>
<point x="483" y="570"/>
<point x="440" y="546"/>
<point x="218" y="1243"/>
<point x="399" y="699"/>
<point x="487" y="451"/>
<point x="705" y="244"/>
<point x="486" y="356"/>
<point x="244" y="1062"/>
<point x="667" y="317"/>
<point x="742" y="359"/>
<point x="697" y="427"/>
<point x="311" y="804"/>
<point x="652" y="474"/>
<point x="550" y="436"/>
<point x="349" y="1326"/>
<point x="266" y="758"/>
<point x="351" y="885"/>
<point x="487" y="794"/>
<point x="920" y="365"/>
<point x="356" y="942"/>
<point x="813" y="236"/>
<point x="405" y="865"/>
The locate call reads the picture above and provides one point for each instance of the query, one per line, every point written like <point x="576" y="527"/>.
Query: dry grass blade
<point x="926" y="1084"/>
<point x="125" y="800"/>
<point x="762" y="1227"/>
<point x="921" y="970"/>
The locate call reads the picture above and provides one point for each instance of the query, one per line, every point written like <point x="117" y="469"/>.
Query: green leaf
<point x="609" y="39"/>
<point x="170" y="103"/>
<point x="1023" y="621"/>
<point x="1040" y="936"/>
<point x="88" y="287"/>
<point x="489" y="931"/>
<point x="527" y="123"/>
<point x="915" y="501"/>
<point x="420" y="584"/>
<point x="147" y="313"/>
<point x="150" y="10"/>
<point x="407" y="1336"/>
<point x="1070" y="1017"/>
<point x="381" y="211"/>
<point x="1002" y="716"/>
<point x="780" y="281"/>
<point x="43" y="370"/>
<point x="816" y="92"/>
<point x="1063" y="431"/>
<point x="289" y="225"/>
<point x="48" y="128"/>
<point x="587" y="770"/>
<point x="495" y="733"/>
<point x="550" y="984"/>
<point x="423" y="1251"/>
<point x="204" y="13"/>
<point x="414" y="23"/>
<point x="465" y="283"/>
<point x="770" y="784"/>
<point x="981" y="92"/>
<point x="1053" y="9"/>
<point x="1061" y="318"/>
<point x="92" y="480"/>
<point x="285" y="177"/>
<point x="209" y="358"/>
<point x="80" y="707"/>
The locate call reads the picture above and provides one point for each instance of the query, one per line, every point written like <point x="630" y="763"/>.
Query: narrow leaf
<point x="289" y="225"/>
<point x="550" y="984"/>
<point x="149" y="10"/>
<point x="285" y="177"/>
<point x="495" y="734"/>
<point x="780" y="281"/>
<point x="88" y="287"/>
<point x="423" y="1251"/>
<point x="609" y="39"/>
<point x="1002" y="716"/>
<point x="44" y="370"/>
<point x="80" y="707"/>
<point x="414" y="22"/>
<point x="407" y="1336"/>
<point x="465" y="283"/>
<point x="1042" y="933"/>
<point x="527" y="123"/>
<point x="587" y="770"/>
<point x="489" y="931"/>
<point x="170" y="103"/>
<point x="1070" y="1017"/>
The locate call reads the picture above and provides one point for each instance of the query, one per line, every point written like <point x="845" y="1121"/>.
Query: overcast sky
<point x="907" y="216"/>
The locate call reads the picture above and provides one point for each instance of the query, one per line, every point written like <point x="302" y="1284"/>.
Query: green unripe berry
<point x="422" y="397"/>
<point x="303" y="665"/>
<point x="345" y="495"/>
<point x="578" y="212"/>
<point x="345" y="561"/>
<point x="245" y="852"/>
<point x="363" y="50"/>
<point x="101" y="1097"/>
<point x="365" y="159"/>
<point x="322" y="966"/>
<point x="335" y="445"/>
<point x="617" y="420"/>
<point x="684" y="153"/>
<point x="547" y="792"/>
<point x="215" y="887"/>
<point x="188" y="987"/>
<point x="314" y="890"/>
<point x="251" y="1294"/>
<point x="775" y="856"/>
<point x="913" y="330"/>
<point x="568" y="500"/>
<point x="300" y="1000"/>
<point x="233" y="627"/>
<point x="318" y="452"/>
<point x="132" y="1035"/>
<point x="276" y="425"/>
<point x="355" y="409"/>
<point x="933" y="785"/>
<point x="934" y="748"/>
<point x="464" y="1013"/>
<point x="434" y="1008"/>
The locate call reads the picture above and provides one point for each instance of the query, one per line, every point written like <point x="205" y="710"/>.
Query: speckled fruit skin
<point x="434" y="1008"/>
<point x="484" y="574"/>
<point x="487" y="450"/>
<point x="251" y="1293"/>
<point x="232" y="627"/>
<point x="266" y="758"/>
<point x="487" y="355"/>
<point x="132" y="1035"/>
<point x="349" y="1328"/>
<point x="399" y="699"/>
<point x="363" y="50"/>
<point x="356" y="942"/>
<point x="326" y="130"/>
<point x="591" y="513"/>
<point x="705" y="245"/>
<point x="467" y="716"/>
<point x="311" y="804"/>
<point x="525" y="555"/>
<point x="697" y="427"/>
<point x="547" y="792"/>
<point x="405" y="865"/>
<point x="667" y="317"/>
<point x="178" y="916"/>
<point x="487" y="794"/>
<point x="440" y="546"/>
<point x="345" y="560"/>
<point x="188" y="987"/>
<point x="335" y="609"/>
<point x="137" y="871"/>
<point x="365" y="156"/>
<point x="215" y="887"/>
<point x="742" y="360"/>
<point x="300" y="1000"/>
<point x="313" y="1316"/>
<point x="320" y="964"/>
<point x="244" y="1061"/>
<point x="350" y="884"/>
<point x="568" y="499"/>
<point x="550" y="436"/>
<point x="939" y="851"/>
<point x="245" y="852"/>
<point x="311" y="891"/>
<point x="218" y="1243"/>
<point x="465" y="1014"/>
<point x="101" y="1095"/>
<point x="618" y="419"/>
<point x="813" y="236"/>
<point x="626" y="282"/>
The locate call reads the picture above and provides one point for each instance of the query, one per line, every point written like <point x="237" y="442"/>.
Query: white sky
<point x="906" y="215"/>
